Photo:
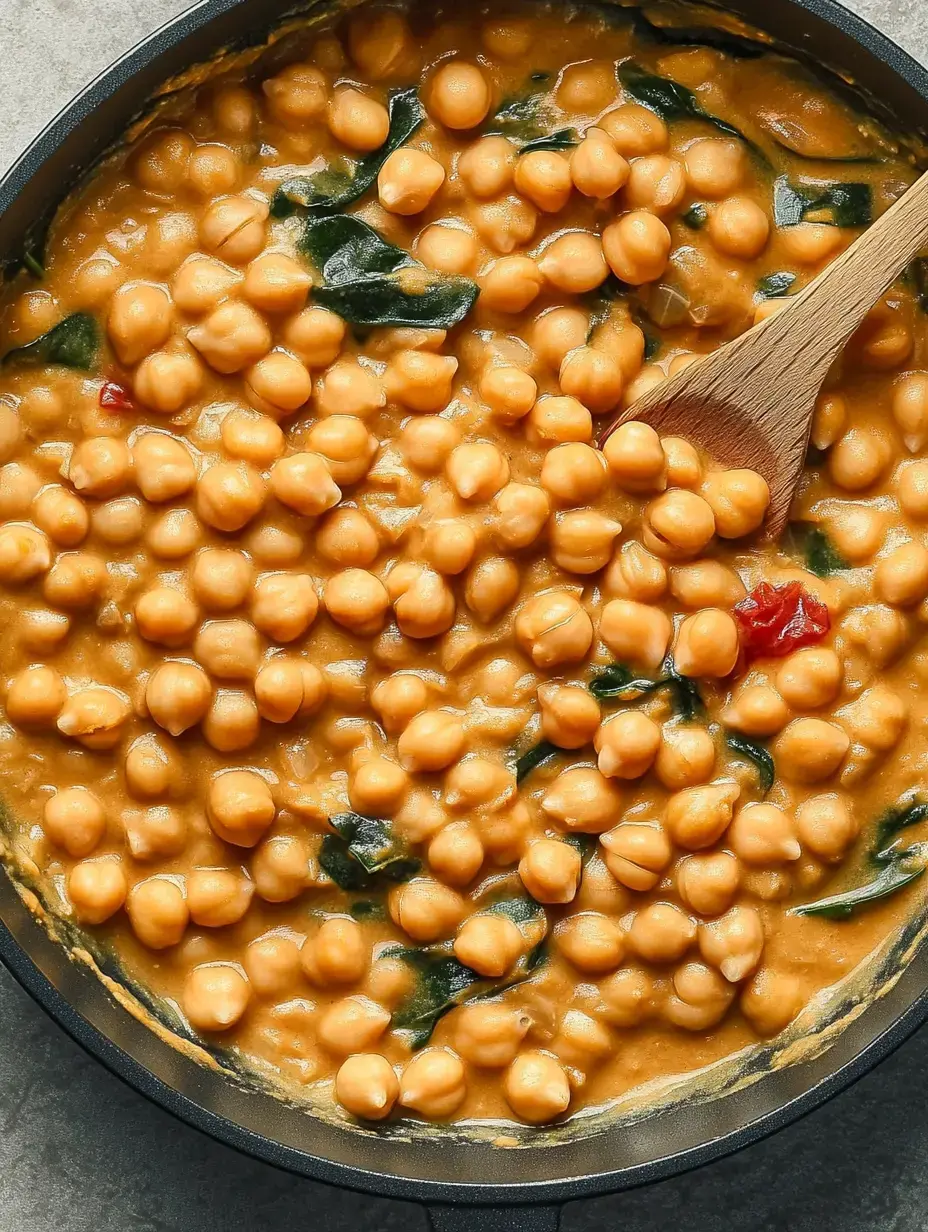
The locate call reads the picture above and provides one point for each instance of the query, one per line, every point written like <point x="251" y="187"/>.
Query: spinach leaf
<point x="367" y="909"/>
<point x="583" y="844"/>
<point x="897" y="818"/>
<point x="695" y="217"/>
<point x="72" y="343"/>
<point x="441" y="985"/>
<point x="333" y="188"/>
<point x="810" y="543"/>
<point x="520" y="909"/>
<point x="687" y="699"/>
<point x="369" y="282"/>
<point x="521" y="119"/>
<point x="754" y="752"/>
<point x="916" y="275"/>
<point x="775" y="286"/>
<point x="560" y="139"/>
<point x="670" y="100"/>
<point x="892" y="876"/>
<point x="535" y="757"/>
<point x="839" y="204"/>
<point x="363" y="849"/>
<point x="617" y="683"/>
<point x="33" y="264"/>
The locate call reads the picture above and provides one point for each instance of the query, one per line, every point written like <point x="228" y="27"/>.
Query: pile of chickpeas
<point x="301" y="569"/>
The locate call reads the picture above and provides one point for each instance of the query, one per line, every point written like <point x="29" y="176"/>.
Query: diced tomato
<point x="115" y="397"/>
<point x="776" y="620"/>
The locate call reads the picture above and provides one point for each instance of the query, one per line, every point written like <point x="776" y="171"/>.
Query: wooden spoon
<point x="750" y="403"/>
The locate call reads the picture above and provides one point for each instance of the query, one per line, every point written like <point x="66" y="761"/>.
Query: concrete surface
<point x="79" y="1152"/>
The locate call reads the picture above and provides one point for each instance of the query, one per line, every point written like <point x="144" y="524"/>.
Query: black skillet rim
<point x="291" y="1159"/>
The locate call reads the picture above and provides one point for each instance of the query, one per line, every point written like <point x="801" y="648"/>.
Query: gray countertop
<point x="79" y="1152"/>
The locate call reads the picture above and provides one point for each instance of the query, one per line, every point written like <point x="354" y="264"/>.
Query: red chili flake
<point x="775" y="620"/>
<point x="115" y="397"/>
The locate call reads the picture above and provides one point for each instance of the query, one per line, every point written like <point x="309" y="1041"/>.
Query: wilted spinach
<point x="536" y="756"/>
<point x="757" y="754"/>
<point x="72" y="343"/>
<point x="695" y="217"/>
<point x="364" y="850"/>
<point x="618" y="683"/>
<point x="775" y="286"/>
<point x="810" y="543"/>
<point x="670" y="100"/>
<point x="837" y="203"/>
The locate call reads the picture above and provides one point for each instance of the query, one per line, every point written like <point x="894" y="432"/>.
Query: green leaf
<point x="583" y="844"/>
<point x="367" y="909"/>
<point x="616" y="680"/>
<point x="441" y="985"/>
<point x="363" y="850"/>
<point x="72" y="343"/>
<point x="560" y="139"/>
<point x="370" y="282"/>
<point x="892" y="876"/>
<point x="535" y="757"/>
<point x="916" y="275"/>
<point x="521" y="909"/>
<point x="670" y="100"/>
<point x="839" y="203"/>
<point x="775" y="286"/>
<point x="695" y="217"/>
<point x="33" y="264"/>
<point x="755" y="753"/>
<point x="897" y="818"/>
<point x="809" y="542"/>
<point x="336" y="860"/>
<point x="687" y="699"/>
<point x="617" y="683"/>
<point x="335" y="187"/>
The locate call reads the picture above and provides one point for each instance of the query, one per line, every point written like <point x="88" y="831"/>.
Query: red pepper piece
<point x="775" y="620"/>
<point x="115" y="397"/>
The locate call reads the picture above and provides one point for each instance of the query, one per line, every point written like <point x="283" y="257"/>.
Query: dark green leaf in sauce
<point x="363" y="850"/>
<point x="839" y="203"/>
<point x="897" y="818"/>
<point x="775" y="286"/>
<point x="363" y="909"/>
<point x="335" y="187"/>
<point x="535" y="757"/>
<point x="809" y="543"/>
<point x="72" y="343"/>
<point x="695" y="217"/>
<point x="441" y="984"/>
<point x="33" y="264"/>
<point x="757" y="754"/>
<point x="670" y="100"/>
<point x="916" y="276"/>
<point x="560" y="139"/>
<point x="370" y="282"/>
<point x="617" y="683"/>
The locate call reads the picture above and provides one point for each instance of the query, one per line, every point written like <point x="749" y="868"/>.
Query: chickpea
<point x="757" y="710"/>
<point x="636" y="457"/>
<point x="574" y="262"/>
<point x="684" y="468"/>
<point x="35" y="697"/>
<point x="456" y="853"/>
<point x="232" y="338"/>
<point x="278" y="384"/>
<point x="573" y="473"/>
<point x="379" y="42"/>
<point x="910" y="409"/>
<point x="280" y="866"/>
<point x="543" y="176"/>
<point x="554" y="628"/>
<point x="240" y="806"/>
<point x="229" y="495"/>
<point x="912" y="490"/>
<point x="151" y="769"/>
<point x="636" y="853"/>
<point x="810" y="750"/>
<point x="357" y="600"/>
<point x="459" y="96"/>
<point x="448" y="249"/>
<point x="738" y="227"/>
<point x="771" y="1000"/>
<point x="510" y="284"/>
<point x="275" y="282"/>
<point x="708" y="883"/>
<point x="581" y="540"/>
<point x="229" y="649"/>
<point x="197" y="287"/>
<point x="678" y="524"/>
<point x="697" y="817"/>
<point x="707" y="644"/>
<point x="337" y="953"/>
<point x="24" y="553"/>
<point x="715" y="166"/>
<point x="221" y="578"/>
<point x="173" y="535"/>
<point x="419" y="380"/>
<point x="570" y="715"/>
<point x="167" y="381"/>
<point x="166" y="616"/>
<point x="739" y="501"/>
<point x="478" y="782"/>
<point x="140" y="319"/>
<point x="164" y="468"/>
<point x="764" y="834"/>
<point x="352" y="1025"/>
<point x="398" y="699"/>
<point x="217" y="897"/>
<point x="661" y="933"/>
<point x="304" y="483"/>
<point x="428" y="442"/>
<point x="550" y="871"/>
<point x="488" y="1034"/>
<point x="593" y="943"/>
<point x="635" y="632"/>
<point x="434" y="1083"/>
<point x="486" y="167"/>
<point x="596" y="167"/>
<point x="158" y="913"/>
<point x="234" y="110"/>
<point x="593" y="377"/>
<point x="655" y="183"/>
<point x="489" y="945"/>
<point x="733" y="943"/>
<point x="554" y="334"/>
<point x="349" y="388"/>
<point x="215" y="996"/>
<point x="378" y="787"/>
<point x="272" y="963"/>
<point x="212" y="169"/>
<point x="627" y="997"/>
<point x="877" y="718"/>
<point x="627" y="744"/>
<point x="706" y="583"/>
<point x="686" y="757"/>
<point x="408" y="181"/>
<point x="560" y="420"/>
<point x="178" y="696"/>
<point x="76" y="580"/>
<point x="234" y="228"/>
<point x="521" y="513"/>
<point x="315" y="336"/>
<point x="357" y="121"/>
<point x="636" y="575"/>
<point x="431" y="741"/>
<point x="901" y="577"/>
<point x="536" y="1087"/>
<point x="19" y="487"/>
<point x="826" y="826"/>
<point x="634" y="130"/>
<point x="119" y="522"/>
<point x="366" y="1086"/>
<point x="61" y="515"/>
<point x="232" y="722"/>
<point x="426" y="909"/>
<point x="95" y="717"/>
<point x="96" y="889"/>
<point x="74" y="819"/>
<point x="700" y="997"/>
<point x="636" y="247"/>
<point x="810" y="678"/>
<point x="42" y="631"/>
<point x="100" y="466"/>
<point x="477" y="470"/>
<point x="858" y="459"/>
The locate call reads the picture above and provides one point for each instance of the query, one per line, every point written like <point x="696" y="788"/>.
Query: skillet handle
<point x="494" y="1218"/>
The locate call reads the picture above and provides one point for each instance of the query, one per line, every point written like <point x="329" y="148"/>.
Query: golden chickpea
<point x="636" y="457"/>
<point x="279" y="384"/>
<point x="901" y="577"/>
<point x="35" y="697"/>
<point x="700" y="997"/>
<point x="25" y="553"/>
<point x="212" y="169"/>
<point x="504" y="224"/>
<point x="508" y="39"/>
<point x="95" y="717"/>
<point x="346" y="538"/>
<point x="296" y="95"/>
<point x="337" y="953"/>
<point x="627" y="997"/>
<point x="427" y="442"/>
<point x="827" y="826"/>
<point x="357" y="600"/>
<point x="287" y="688"/>
<point x="510" y="284"/>
<point x="635" y="632"/>
<point x="357" y="121"/>
<point x="217" y="897"/>
<point x="304" y="483"/>
<point x="449" y="545"/>
<point x="684" y="468"/>
<point x="76" y="580"/>
<point x="678" y="524"/>
<point x="556" y="332"/>
<point x="151" y="769"/>
<point x="42" y="631"/>
<point x="234" y="228"/>
<point x="178" y="696"/>
<point x="706" y="583"/>
<point x="707" y="644"/>
<point x="164" y="467"/>
<point x="232" y="338"/>
<point x="200" y="284"/>
<point x="554" y="628"/>
<point x="459" y="96"/>
<point x="810" y="678"/>
<point x="593" y="943"/>
<point x="627" y="744"/>
<point x="74" y="819"/>
<point x="550" y="871"/>
<point x="489" y="945"/>
<point x="581" y="540"/>
<point x="275" y="282"/>
<point x="272" y="963"/>
<point x="771" y="1000"/>
<point x="19" y="486"/>
<point x="876" y="718"/>
<point x="100" y="466"/>
<point x="280" y="866"/>
<point x="366" y="1086"/>
<point x="708" y="884"/>
<point x="431" y="741"/>
<point x="215" y="996"/>
<point x="166" y="616"/>
<point x="757" y="710"/>
<point x="697" y="817"/>
<point x="634" y="130"/>
<point x="738" y="227"/>
<point x="810" y="750"/>
<point x="448" y="249"/>
<point x="426" y="909"/>
<point x="570" y="715"/>
<point x="159" y="163"/>
<point x="573" y="473"/>
<point x="910" y="409"/>
<point x="636" y="575"/>
<point x="739" y="501"/>
<point x="158" y="912"/>
<point x="221" y="578"/>
<point x="858" y="459"/>
<point x="661" y="933"/>
<point x="96" y="889"/>
<point x="61" y="515"/>
<point x="229" y="495"/>
<point x="229" y="649"/>
<point x="284" y="605"/>
<point x="477" y="470"/>
<point x="488" y="1035"/>
<point x="733" y="943"/>
<point x="715" y="166"/>
<point x="596" y="167"/>
<point x="408" y="181"/>
<point x="121" y="521"/>
<point x="655" y="183"/>
<point x="171" y="536"/>
<point x="593" y="377"/>
<point x="398" y="699"/>
<point x="140" y="319"/>
<point x="378" y="787"/>
<point x="636" y="247"/>
<point x="764" y="834"/>
<point x="574" y="262"/>
<point x="232" y="722"/>
<point x="560" y="420"/>
<point x="240" y="806"/>
<point x="636" y="853"/>
<point x="543" y="176"/>
<point x="419" y="380"/>
<point x="348" y="388"/>
<point x="686" y="757"/>
<point x="486" y="166"/>
<point x="536" y="1087"/>
<point x="352" y="1025"/>
<point x="433" y="1083"/>
<point x="379" y="42"/>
